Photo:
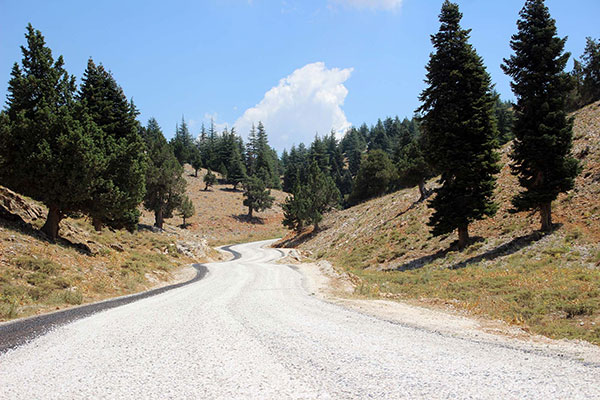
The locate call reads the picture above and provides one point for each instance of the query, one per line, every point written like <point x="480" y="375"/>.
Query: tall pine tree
<point x="48" y="149"/>
<point x="120" y="187"/>
<point x="164" y="181"/>
<point x="543" y="133"/>
<point x="459" y="129"/>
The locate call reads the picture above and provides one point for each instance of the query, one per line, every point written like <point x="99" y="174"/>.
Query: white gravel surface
<point x="250" y="329"/>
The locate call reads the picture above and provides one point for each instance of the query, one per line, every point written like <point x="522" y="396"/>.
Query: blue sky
<point x="303" y="67"/>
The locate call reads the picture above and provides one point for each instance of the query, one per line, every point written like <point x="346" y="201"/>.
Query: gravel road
<point x="250" y="329"/>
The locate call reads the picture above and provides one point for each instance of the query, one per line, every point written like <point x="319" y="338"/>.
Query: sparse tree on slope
<point x="186" y="209"/>
<point x="256" y="196"/>
<point x="459" y="129"/>
<point x="209" y="179"/>
<point x="164" y="181"/>
<point x="543" y="133"/>
<point x="48" y="150"/>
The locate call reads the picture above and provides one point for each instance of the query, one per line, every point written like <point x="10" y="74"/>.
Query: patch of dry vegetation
<point x="547" y="284"/>
<point x="221" y="217"/>
<point x="37" y="276"/>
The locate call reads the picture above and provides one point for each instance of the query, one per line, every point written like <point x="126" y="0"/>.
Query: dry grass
<point x="548" y="284"/>
<point x="220" y="214"/>
<point x="37" y="276"/>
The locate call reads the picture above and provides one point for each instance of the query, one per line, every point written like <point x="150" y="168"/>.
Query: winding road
<point x="250" y="329"/>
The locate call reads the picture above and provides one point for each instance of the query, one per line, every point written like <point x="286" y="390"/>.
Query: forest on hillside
<point x="80" y="149"/>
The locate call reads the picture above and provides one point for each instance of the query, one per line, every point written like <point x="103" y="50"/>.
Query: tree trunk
<point x="206" y="187"/>
<point x="250" y="212"/>
<point x="184" y="221"/>
<point x="546" y="217"/>
<point x="463" y="236"/>
<point x="97" y="224"/>
<point x="422" y="190"/>
<point x="196" y="174"/>
<point x="158" y="219"/>
<point x="50" y="228"/>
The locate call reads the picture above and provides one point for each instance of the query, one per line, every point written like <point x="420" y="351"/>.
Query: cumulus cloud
<point x="389" y="5"/>
<point x="306" y="102"/>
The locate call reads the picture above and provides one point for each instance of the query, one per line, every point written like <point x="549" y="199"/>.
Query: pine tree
<point x="196" y="160"/>
<point x="320" y="195"/>
<point x="256" y="196"/>
<point x="295" y="209"/>
<point x="374" y="177"/>
<point x="459" y="129"/>
<point x="590" y="65"/>
<point x="48" y="149"/>
<point x="120" y="188"/>
<point x="186" y="209"/>
<point x="236" y="170"/>
<point x="164" y="181"/>
<point x="543" y="133"/>
<point x="412" y="167"/>
<point x="209" y="179"/>
<point x="183" y="143"/>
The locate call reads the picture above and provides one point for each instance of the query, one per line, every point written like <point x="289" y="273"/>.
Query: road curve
<point x="249" y="329"/>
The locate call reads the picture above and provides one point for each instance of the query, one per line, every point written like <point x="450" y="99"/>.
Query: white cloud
<point x="306" y="102"/>
<point x="388" y="5"/>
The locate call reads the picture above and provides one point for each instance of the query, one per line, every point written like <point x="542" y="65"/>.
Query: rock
<point x="118" y="247"/>
<point x="16" y="208"/>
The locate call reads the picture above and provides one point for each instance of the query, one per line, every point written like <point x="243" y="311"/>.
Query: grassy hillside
<point x="221" y="216"/>
<point x="548" y="284"/>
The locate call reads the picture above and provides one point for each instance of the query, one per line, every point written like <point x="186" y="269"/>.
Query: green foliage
<point x="310" y="200"/>
<point x="256" y="195"/>
<point x="119" y="188"/>
<point x="196" y="161"/>
<point x="164" y="181"/>
<point x="459" y="128"/>
<point x="505" y="119"/>
<point x="236" y="172"/>
<point x="183" y="143"/>
<point x="590" y="90"/>
<point x="374" y="177"/>
<point x="261" y="159"/>
<point x="186" y="209"/>
<point x="48" y="147"/>
<point x="209" y="179"/>
<point x="543" y="133"/>
<point x="413" y="169"/>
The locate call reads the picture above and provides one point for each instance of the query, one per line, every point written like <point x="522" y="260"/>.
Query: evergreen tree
<point x="164" y="181"/>
<point x="196" y="160"/>
<point x="186" y="209"/>
<point x="412" y="167"/>
<point x="209" y="179"/>
<point x="319" y="195"/>
<point x="505" y="119"/>
<point x="120" y="187"/>
<point x="295" y="209"/>
<point x="256" y="196"/>
<point x="236" y="170"/>
<point x="459" y="129"/>
<point x="48" y="149"/>
<point x="590" y="65"/>
<point x="374" y="177"/>
<point x="543" y="134"/>
<point x="183" y="143"/>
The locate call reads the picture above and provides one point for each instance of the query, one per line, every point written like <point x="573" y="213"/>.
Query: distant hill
<point x="549" y="284"/>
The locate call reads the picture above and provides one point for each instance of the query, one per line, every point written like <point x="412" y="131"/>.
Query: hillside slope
<point x="221" y="216"/>
<point x="549" y="284"/>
